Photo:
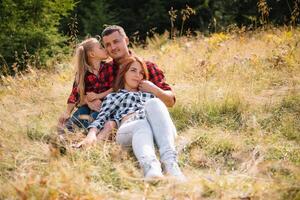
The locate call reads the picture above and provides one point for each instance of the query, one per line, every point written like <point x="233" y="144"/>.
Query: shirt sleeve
<point x="157" y="76"/>
<point x="107" y="109"/>
<point x="74" y="96"/>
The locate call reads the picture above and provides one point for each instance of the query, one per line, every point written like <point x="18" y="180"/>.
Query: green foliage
<point x="36" y="132"/>
<point x="284" y="118"/>
<point x="226" y="113"/>
<point x="221" y="148"/>
<point x="276" y="153"/>
<point x="91" y="16"/>
<point x="290" y="193"/>
<point x="29" y="32"/>
<point x="143" y="17"/>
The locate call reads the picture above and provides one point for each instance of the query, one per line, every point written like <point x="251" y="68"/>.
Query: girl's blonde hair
<point x="82" y="65"/>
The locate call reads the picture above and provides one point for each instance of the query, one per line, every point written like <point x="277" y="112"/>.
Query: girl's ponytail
<point x="81" y="68"/>
<point x="82" y="65"/>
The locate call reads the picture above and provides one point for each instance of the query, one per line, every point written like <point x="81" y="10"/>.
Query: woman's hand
<point x="90" y="139"/>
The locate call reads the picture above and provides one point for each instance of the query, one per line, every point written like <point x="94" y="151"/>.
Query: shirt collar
<point x="125" y="91"/>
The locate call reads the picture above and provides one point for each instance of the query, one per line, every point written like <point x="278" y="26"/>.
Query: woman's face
<point x="99" y="52"/>
<point x="133" y="76"/>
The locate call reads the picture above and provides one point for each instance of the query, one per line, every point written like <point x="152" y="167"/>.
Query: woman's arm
<point x="109" y="105"/>
<point x="107" y="109"/>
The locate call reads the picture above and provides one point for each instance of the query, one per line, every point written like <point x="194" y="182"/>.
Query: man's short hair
<point x="113" y="28"/>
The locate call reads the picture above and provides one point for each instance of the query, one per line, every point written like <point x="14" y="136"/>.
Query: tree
<point x="29" y="32"/>
<point x="91" y="17"/>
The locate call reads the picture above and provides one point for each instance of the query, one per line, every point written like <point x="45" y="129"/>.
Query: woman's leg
<point x="138" y="134"/>
<point x="164" y="133"/>
<point x="107" y="133"/>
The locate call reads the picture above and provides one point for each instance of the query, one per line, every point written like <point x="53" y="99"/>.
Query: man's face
<point x="116" y="45"/>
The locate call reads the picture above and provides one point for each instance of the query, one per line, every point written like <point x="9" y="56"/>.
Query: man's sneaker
<point x="172" y="169"/>
<point x="152" y="170"/>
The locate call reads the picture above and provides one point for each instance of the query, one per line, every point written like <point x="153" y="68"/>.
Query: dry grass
<point x="237" y="112"/>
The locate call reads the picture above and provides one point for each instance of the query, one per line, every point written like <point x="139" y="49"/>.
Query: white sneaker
<point x="172" y="169"/>
<point x="152" y="170"/>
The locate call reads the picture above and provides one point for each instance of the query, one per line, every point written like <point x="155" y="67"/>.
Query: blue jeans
<point x="76" y="120"/>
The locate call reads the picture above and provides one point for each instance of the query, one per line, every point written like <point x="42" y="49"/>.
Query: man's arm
<point x="157" y="85"/>
<point x="166" y="96"/>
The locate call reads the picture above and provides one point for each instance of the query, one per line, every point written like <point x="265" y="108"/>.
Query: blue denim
<point x="81" y="123"/>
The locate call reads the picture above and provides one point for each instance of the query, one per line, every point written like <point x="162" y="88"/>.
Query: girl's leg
<point x="76" y="120"/>
<point x="138" y="134"/>
<point x="164" y="133"/>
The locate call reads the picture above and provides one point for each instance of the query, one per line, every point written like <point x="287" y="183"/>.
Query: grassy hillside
<point x="237" y="113"/>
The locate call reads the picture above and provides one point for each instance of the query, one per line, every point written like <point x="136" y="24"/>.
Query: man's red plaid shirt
<point x="106" y="76"/>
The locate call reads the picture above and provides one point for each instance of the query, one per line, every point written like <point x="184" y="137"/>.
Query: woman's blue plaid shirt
<point x="119" y="104"/>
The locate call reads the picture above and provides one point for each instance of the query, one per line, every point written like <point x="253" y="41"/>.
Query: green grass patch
<point x="284" y="118"/>
<point x="226" y="114"/>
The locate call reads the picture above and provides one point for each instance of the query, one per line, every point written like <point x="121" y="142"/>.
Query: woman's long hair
<point x="124" y="67"/>
<point x="82" y="64"/>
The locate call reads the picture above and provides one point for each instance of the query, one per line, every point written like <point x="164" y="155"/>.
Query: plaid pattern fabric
<point x="156" y="76"/>
<point x="106" y="76"/>
<point x="117" y="105"/>
<point x="96" y="83"/>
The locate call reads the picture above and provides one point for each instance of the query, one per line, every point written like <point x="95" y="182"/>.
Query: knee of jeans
<point x="94" y="115"/>
<point x="110" y="125"/>
<point x="124" y="140"/>
<point x="83" y="110"/>
<point x="154" y="105"/>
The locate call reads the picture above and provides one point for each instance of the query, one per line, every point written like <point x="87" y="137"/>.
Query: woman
<point x="142" y="119"/>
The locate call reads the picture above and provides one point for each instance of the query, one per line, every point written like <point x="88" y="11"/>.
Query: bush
<point x="29" y="33"/>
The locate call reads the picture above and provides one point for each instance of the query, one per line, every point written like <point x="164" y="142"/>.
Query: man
<point x="116" y="44"/>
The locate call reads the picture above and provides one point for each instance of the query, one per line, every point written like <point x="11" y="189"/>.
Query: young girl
<point x="142" y="119"/>
<point x="87" y="91"/>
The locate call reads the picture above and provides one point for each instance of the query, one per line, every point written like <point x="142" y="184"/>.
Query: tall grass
<point x="237" y="115"/>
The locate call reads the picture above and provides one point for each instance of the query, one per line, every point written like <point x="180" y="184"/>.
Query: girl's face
<point x="99" y="52"/>
<point x="133" y="76"/>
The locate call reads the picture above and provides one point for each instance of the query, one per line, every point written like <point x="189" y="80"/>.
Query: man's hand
<point x="148" y="86"/>
<point x="166" y="96"/>
<point x="94" y="105"/>
<point x="91" y="96"/>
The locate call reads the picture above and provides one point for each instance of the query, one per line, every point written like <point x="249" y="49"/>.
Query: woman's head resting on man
<point x="132" y="71"/>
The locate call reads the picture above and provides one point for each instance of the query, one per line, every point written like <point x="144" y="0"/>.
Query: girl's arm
<point x="91" y="96"/>
<point x="66" y="115"/>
